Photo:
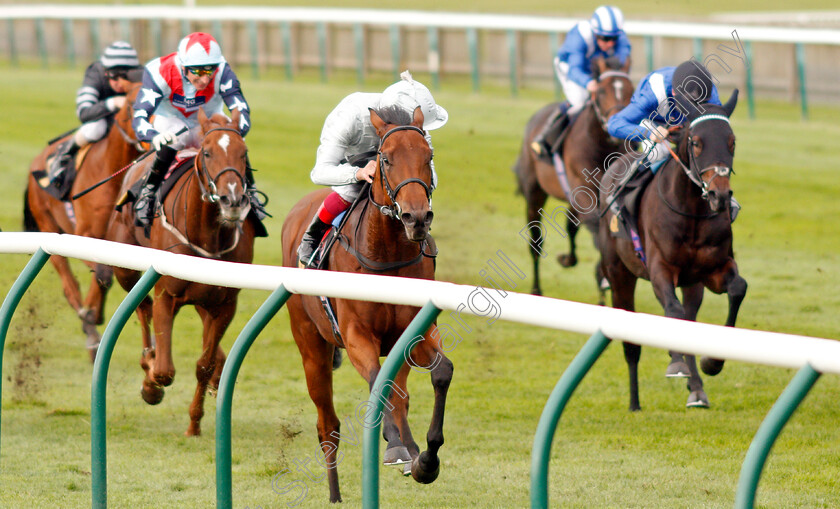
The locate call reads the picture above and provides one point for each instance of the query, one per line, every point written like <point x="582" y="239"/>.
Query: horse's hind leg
<point x="692" y="298"/>
<point x="736" y="289"/>
<point x="535" y="199"/>
<point x="570" y="259"/>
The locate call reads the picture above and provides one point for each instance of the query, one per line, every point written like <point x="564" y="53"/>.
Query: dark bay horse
<point x="203" y="215"/>
<point x="88" y="215"/>
<point x="685" y="230"/>
<point x="392" y="227"/>
<point x="586" y="149"/>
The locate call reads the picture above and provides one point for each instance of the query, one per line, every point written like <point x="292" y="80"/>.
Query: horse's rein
<point x="394" y="210"/>
<point x="209" y="194"/>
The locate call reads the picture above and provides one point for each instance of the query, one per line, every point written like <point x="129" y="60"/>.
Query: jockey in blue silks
<point x="601" y="36"/>
<point x="660" y="101"/>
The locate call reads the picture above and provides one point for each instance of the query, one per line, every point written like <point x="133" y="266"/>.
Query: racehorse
<point x="685" y="231"/>
<point x="203" y="215"/>
<point x="88" y="215"/>
<point x="585" y="149"/>
<point x="387" y="234"/>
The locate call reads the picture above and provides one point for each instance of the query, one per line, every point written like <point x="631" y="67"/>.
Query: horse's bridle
<point x="209" y="194"/>
<point x="603" y="117"/>
<point x="394" y="210"/>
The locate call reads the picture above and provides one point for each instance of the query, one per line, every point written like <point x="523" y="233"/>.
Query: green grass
<point x="786" y="244"/>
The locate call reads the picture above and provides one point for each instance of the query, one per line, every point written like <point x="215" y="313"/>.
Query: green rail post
<point x="567" y="384"/>
<point x="95" y="40"/>
<point x="125" y="29"/>
<point x="217" y="32"/>
<point x="98" y="456"/>
<point x="767" y="433"/>
<point x="322" y="49"/>
<point x="513" y="62"/>
<point x="155" y="28"/>
<point x="10" y="27"/>
<point x="255" y="54"/>
<point x="434" y="56"/>
<point x="800" y="69"/>
<point x="286" y="34"/>
<point x="69" y="47"/>
<point x="42" y="42"/>
<point x="698" y="49"/>
<point x="396" y="50"/>
<point x="359" y="42"/>
<point x="750" y="90"/>
<point x="370" y="459"/>
<point x="649" y="52"/>
<point x="472" y="44"/>
<point x="227" y="382"/>
<point x="10" y="303"/>
<point x="185" y="28"/>
<point x="553" y="47"/>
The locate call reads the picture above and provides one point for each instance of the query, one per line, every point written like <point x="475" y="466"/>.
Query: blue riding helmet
<point x="607" y="21"/>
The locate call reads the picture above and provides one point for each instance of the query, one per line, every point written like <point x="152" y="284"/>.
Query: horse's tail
<point x="29" y="223"/>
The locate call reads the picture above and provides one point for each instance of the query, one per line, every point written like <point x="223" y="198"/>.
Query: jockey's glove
<point x="162" y="139"/>
<point x="115" y="102"/>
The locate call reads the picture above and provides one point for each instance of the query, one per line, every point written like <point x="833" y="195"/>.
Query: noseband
<point x="394" y="210"/>
<point x="210" y="194"/>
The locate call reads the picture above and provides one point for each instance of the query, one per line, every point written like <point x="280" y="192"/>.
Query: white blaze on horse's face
<point x="619" y="88"/>
<point x="232" y="188"/>
<point x="223" y="142"/>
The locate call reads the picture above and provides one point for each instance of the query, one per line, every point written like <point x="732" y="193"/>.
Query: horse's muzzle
<point x="417" y="224"/>
<point x="719" y="199"/>
<point x="234" y="208"/>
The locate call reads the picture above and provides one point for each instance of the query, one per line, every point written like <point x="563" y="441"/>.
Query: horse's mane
<point x="613" y="63"/>
<point x="394" y="115"/>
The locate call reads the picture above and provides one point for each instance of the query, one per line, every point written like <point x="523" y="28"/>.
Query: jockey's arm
<point x="147" y="101"/>
<point x="340" y="129"/>
<point x="623" y="48"/>
<point x="579" y="65"/>
<point x="90" y="105"/>
<point x="625" y="124"/>
<point x="234" y="99"/>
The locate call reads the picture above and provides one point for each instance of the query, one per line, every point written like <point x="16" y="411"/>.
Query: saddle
<point x="556" y="134"/>
<point x="625" y="201"/>
<point x="184" y="161"/>
<point x="58" y="186"/>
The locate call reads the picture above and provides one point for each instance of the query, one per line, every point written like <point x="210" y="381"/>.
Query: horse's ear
<point x="377" y="122"/>
<point x="234" y="118"/>
<point x="729" y="107"/>
<point x="417" y="120"/>
<point x="202" y="119"/>
<point x="626" y="67"/>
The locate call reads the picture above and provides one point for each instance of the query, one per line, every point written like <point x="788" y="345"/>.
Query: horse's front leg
<point x="663" y="279"/>
<point x="735" y="286"/>
<point x="692" y="298"/>
<point x="215" y="322"/>
<point x="164" y="310"/>
<point x="427" y="355"/>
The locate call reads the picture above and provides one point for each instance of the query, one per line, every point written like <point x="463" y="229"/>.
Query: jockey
<point x="348" y="132"/>
<point x="662" y="99"/>
<point x="601" y="36"/>
<point x="175" y="86"/>
<point x="101" y="95"/>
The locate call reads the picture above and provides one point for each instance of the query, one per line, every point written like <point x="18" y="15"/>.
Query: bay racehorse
<point x="387" y="234"/>
<point x="586" y="149"/>
<point x="203" y="215"/>
<point x="685" y="231"/>
<point x="88" y="215"/>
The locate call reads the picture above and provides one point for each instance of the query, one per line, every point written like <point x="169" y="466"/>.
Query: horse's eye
<point x="385" y="161"/>
<point x="206" y="153"/>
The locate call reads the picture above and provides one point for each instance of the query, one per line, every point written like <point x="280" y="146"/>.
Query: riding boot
<point x="144" y="205"/>
<point x="63" y="159"/>
<point x="309" y="242"/>
<point x="543" y="142"/>
<point x="257" y="205"/>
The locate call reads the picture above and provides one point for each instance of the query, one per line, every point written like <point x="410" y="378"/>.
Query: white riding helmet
<point x="408" y="94"/>
<point x="607" y="21"/>
<point x="199" y="48"/>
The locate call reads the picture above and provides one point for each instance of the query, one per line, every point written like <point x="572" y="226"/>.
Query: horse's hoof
<point x="425" y="470"/>
<point x="397" y="455"/>
<point x="407" y="470"/>
<point x="678" y="369"/>
<point x="697" y="399"/>
<point x="567" y="260"/>
<point x="151" y="393"/>
<point x="711" y="366"/>
<point x="164" y="380"/>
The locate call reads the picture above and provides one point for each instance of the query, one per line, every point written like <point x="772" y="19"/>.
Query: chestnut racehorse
<point x="585" y="153"/>
<point x="203" y="215"/>
<point x="385" y="235"/>
<point x="88" y="215"/>
<point x="684" y="226"/>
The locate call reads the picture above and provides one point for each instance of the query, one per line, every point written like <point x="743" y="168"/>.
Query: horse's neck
<point x="199" y="221"/>
<point x="381" y="237"/>
<point x="680" y="191"/>
<point x="119" y="146"/>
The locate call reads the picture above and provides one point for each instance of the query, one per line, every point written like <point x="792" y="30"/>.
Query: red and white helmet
<point x="199" y="48"/>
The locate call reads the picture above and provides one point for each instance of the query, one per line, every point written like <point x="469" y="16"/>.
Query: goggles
<point x="115" y="74"/>
<point x="202" y="70"/>
<point x="612" y="38"/>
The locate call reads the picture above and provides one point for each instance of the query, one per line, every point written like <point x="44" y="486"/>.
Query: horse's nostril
<point x="407" y="219"/>
<point x="429" y="216"/>
<point x="224" y="200"/>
